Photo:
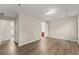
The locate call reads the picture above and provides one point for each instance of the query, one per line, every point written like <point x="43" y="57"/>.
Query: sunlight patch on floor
<point x="12" y="47"/>
<point x="43" y="43"/>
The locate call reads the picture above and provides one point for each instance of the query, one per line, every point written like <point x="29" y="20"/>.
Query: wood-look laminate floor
<point x="48" y="46"/>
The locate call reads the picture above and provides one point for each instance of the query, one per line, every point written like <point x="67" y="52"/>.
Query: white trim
<point x="63" y="38"/>
<point x="4" y="40"/>
<point x="78" y="42"/>
<point x="21" y="44"/>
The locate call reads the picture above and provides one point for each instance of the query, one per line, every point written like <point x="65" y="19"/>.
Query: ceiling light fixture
<point x="49" y="11"/>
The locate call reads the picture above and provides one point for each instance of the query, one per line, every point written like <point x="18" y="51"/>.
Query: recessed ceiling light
<point x="49" y="11"/>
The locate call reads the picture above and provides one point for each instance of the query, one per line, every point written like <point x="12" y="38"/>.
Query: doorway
<point x="44" y="29"/>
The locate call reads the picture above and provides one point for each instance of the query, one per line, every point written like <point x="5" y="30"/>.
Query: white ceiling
<point x="9" y="9"/>
<point x="38" y="10"/>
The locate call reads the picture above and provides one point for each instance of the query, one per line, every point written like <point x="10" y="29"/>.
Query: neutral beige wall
<point x="78" y="29"/>
<point x="29" y="29"/>
<point x="65" y="28"/>
<point x="5" y="27"/>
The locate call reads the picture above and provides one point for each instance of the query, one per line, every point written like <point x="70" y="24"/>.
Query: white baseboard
<point x="78" y="43"/>
<point x="4" y="40"/>
<point x="25" y="43"/>
<point x="63" y="39"/>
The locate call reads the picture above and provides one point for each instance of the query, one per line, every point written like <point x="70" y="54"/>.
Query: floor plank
<point x="48" y="46"/>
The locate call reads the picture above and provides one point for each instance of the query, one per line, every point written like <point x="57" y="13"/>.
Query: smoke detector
<point x="19" y="4"/>
<point x="1" y="13"/>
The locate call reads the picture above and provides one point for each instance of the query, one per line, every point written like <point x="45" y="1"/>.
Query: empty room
<point x="39" y="29"/>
